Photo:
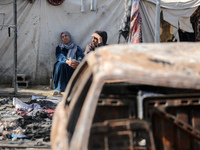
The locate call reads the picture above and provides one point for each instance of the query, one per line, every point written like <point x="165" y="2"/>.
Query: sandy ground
<point x="43" y="90"/>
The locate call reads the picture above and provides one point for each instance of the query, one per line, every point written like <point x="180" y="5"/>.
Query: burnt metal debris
<point x="19" y="130"/>
<point x="141" y="97"/>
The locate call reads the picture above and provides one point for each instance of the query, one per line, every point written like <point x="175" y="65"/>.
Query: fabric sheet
<point x="177" y="13"/>
<point x="136" y="23"/>
<point x="148" y="32"/>
<point x="125" y="24"/>
<point x="177" y="4"/>
<point x="178" y="18"/>
<point x="39" y="25"/>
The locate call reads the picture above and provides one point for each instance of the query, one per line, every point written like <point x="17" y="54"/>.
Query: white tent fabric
<point x="39" y="26"/>
<point x="181" y="18"/>
<point x="177" y="4"/>
<point x="148" y="32"/>
<point x="176" y="12"/>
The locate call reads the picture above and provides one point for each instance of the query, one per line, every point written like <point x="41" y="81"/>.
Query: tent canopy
<point x="175" y="12"/>
<point x="39" y="26"/>
<point x="40" y="23"/>
<point x="177" y="4"/>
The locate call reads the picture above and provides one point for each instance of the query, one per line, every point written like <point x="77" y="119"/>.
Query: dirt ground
<point x="32" y="90"/>
<point x="8" y="115"/>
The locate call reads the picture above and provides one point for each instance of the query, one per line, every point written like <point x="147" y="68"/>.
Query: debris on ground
<point x="26" y="123"/>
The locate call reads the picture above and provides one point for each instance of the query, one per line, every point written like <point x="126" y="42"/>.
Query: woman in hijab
<point x="99" y="38"/>
<point x="68" y="56"/>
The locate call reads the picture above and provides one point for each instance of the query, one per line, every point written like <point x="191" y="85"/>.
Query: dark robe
<point x="62" y="71"/>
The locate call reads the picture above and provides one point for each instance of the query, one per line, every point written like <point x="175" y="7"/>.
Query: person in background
<point x="68" y="56"/>
<point x="99" y="38"/>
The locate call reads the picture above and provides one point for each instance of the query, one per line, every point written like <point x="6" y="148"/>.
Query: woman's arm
<point x="59" y="55"/>
<point x="79" y="54"/>
<point x="79" y="57"/>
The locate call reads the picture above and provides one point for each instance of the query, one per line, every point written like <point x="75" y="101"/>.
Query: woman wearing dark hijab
<point x="68" y="56"/>
<point x="99" y="38"/>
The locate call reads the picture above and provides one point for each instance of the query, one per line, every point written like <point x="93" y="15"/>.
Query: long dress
<point x="62" y="71"/>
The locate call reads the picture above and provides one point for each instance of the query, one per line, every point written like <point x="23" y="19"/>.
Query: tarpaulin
<point x="39" y="25"/>
<point x="177" y="13"/>
<point x="177" y="4"/>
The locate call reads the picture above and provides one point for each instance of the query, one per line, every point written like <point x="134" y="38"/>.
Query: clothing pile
<point x="26" y="122"/>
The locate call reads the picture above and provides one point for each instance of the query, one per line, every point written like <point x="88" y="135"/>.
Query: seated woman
<point x="99" y="38"/>
<point x="68" y="56"/>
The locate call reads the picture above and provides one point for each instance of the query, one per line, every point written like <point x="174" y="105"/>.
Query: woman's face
<point x="65" y="38"/>
<point x="94" y="41"/>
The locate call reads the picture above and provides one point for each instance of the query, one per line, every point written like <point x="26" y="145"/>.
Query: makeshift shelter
<point x="177" y="13"/>
<point x="39" y="25"/>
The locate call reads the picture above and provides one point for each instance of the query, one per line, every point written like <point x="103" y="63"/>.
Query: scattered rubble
<point x="26" y="124"/>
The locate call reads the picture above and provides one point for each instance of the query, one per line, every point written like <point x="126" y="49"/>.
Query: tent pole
<point x="157" y="28"/>
<point x="15" y="45"/>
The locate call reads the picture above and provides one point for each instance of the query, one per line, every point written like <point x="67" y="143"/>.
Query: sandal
<point x="57" y="93"/>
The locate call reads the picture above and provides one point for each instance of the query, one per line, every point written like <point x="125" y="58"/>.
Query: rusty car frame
<point x="132" y="96"/>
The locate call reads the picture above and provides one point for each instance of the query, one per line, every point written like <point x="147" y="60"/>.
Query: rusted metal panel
<point x="174" y="140"/>
<point x="184" y="143"/>
<point x="195" y="121"/>
<point x="122" y="134"/>
<point x="115" y="108"/>
<point x="172" y="121"/>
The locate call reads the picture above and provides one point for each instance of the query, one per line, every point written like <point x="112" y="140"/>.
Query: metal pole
<point x="15" y="45"/>
<point x="157" y="28"/>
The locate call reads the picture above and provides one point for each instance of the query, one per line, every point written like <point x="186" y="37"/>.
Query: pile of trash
<point x="29" y="120"/>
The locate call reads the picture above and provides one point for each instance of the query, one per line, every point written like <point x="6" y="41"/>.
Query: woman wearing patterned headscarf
<point x="68" y="56"/>
<point x="99" y="38"/>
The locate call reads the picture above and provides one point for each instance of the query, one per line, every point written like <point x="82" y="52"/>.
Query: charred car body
<point x="142" y="96"/>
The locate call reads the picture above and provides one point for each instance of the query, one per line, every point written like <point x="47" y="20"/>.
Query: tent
<point x="39" y="26"/>
<point x="175" y="12"/>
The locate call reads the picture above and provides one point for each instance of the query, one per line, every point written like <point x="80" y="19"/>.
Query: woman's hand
<point x="72" y="63"/>
<point x="99" y="38"/>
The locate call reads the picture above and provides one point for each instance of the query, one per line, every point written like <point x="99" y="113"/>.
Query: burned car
<point x="137" y="96"/>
